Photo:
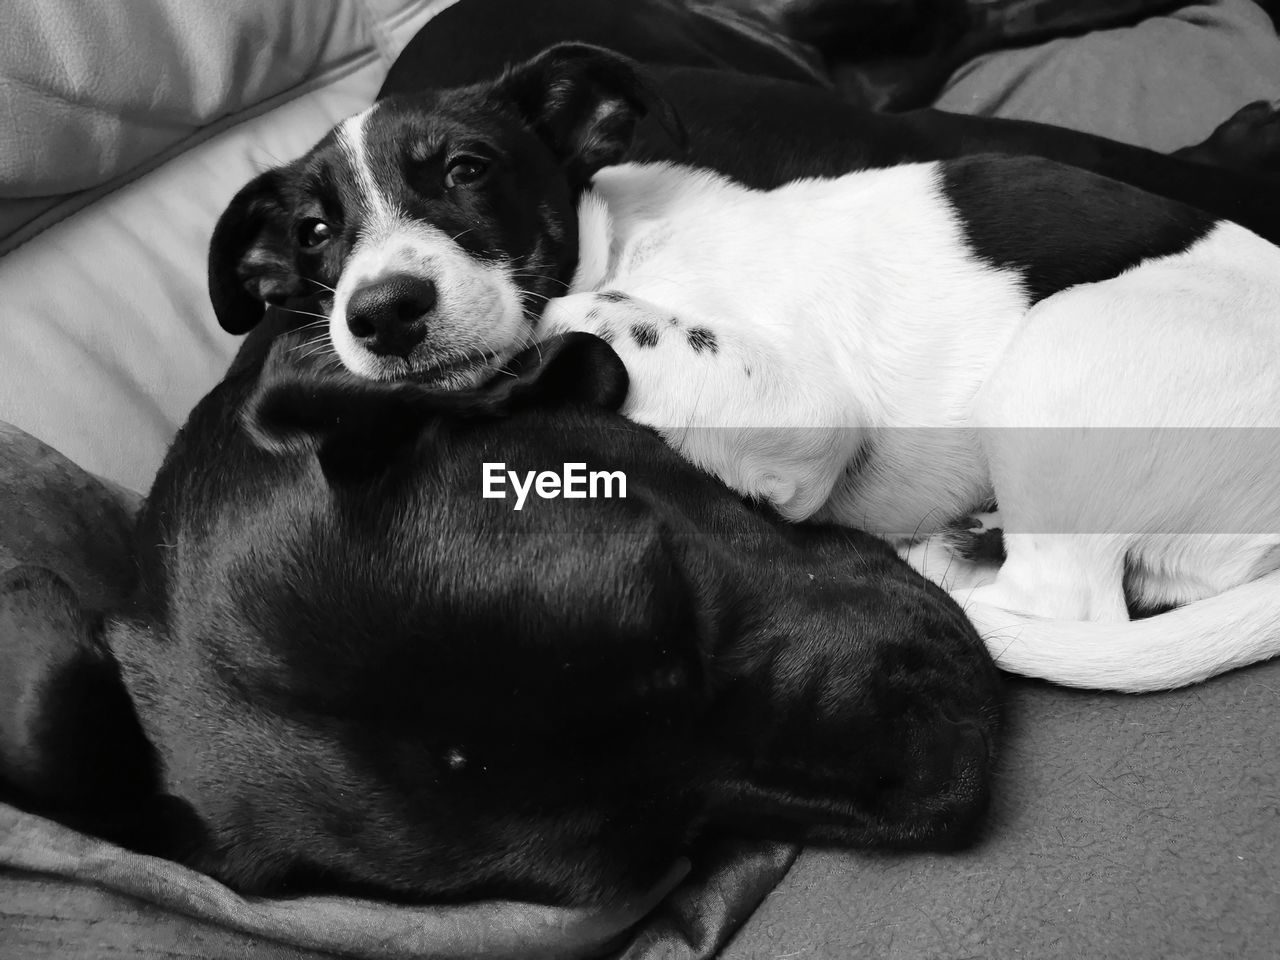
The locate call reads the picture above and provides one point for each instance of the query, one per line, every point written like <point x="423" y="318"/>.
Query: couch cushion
<point x="95" y="90"/>
<point x="108" y="339"/>
<point x="1164" y="83"/>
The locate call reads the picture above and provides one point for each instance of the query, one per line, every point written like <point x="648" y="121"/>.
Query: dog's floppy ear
<point x="251" y="255"/>
<point x="584" y="102"/>
<point x="354" y="424"/>
<point x="856" y="705"/>
<point x="70" y="743"/>
<point x="578" y="368"/>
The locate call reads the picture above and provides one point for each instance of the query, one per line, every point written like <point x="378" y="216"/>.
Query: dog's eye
<point x="314" y="233"/>
<point x="464" y="171"/>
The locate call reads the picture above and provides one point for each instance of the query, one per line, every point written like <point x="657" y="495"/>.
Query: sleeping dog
<point x="1111" y="385"/>
<point x="346" y="669"/>
<point x="868" y="349"/>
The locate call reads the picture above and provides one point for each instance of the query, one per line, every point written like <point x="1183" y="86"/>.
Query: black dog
<point x="352" y="671"/>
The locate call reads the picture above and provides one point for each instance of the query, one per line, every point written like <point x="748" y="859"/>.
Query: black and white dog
<point x="892" y="350"/>
<point x="870" y="348"/>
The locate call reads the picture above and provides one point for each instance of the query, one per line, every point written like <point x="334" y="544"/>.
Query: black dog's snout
<point x="389" y="316"/>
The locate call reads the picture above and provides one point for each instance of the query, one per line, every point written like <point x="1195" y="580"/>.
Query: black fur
<point x="1058" y="226"/>
<point x="644" y="334"/>
<point x="352" y="672"/>
<point x="70" y="744"/>
<point x="700" y="339"/>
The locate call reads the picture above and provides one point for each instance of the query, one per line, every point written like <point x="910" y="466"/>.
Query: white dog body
<point x="826" y="337"/>
<point x="839" y="348"/>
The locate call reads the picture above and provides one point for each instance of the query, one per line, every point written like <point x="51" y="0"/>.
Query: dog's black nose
<point x="389" y="315"/>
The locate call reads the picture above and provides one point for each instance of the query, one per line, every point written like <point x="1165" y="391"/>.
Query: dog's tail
<point x="1186" y="645"/>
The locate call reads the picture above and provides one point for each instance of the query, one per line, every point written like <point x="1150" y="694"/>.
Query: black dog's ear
<point x="584" y="102"/>
<point x="578" y="368"/>
<point x="251" y="255"/>
<point x="355" y="425"/>
<point x="856" y="704"/>
<point x="70" y="743"/>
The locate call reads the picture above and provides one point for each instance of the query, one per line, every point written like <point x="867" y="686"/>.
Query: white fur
<point x="869" y="371"/>
<point x="350" y="135"/>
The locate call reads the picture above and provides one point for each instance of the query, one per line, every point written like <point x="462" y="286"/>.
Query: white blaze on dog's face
<point x="466" y="315"/>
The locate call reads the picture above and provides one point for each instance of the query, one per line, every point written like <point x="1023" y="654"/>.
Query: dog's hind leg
<point x="1060" y="576"/>
<point x="1064" y="549"/>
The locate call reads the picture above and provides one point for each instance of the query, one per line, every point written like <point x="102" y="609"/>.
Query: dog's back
<point x="891" y="349"/>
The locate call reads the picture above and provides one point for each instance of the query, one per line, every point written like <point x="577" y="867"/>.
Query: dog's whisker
<point x="313" y="341"/>
<point x="313" y="325"/>
<point x="306" y="313"/>
<point x="312" y="354"/>
<point x="539" y="276"/>
<point x="320" y="345"/>
<point x="322" y="286"/>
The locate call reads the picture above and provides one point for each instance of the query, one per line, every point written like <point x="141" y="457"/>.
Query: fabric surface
<point x="1165" y="82"/>
<point x="93" y="91"/>
<point x="56" y="516"/>
<point x="1124" y="828"/>
<point x="730" y="880"/>
<point x="364" y="928"/>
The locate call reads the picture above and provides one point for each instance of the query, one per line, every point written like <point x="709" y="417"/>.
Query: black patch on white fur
<point x="978" y="546"/>
<point x="644" y="334"/>
<point x="700" y="339"/>
<point x="612" y="296"/>
<point x="1059" y="226"/>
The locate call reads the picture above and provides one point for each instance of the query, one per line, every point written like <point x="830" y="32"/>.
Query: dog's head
<point x="431" y="228"/>
<point x="352" y="670"/>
